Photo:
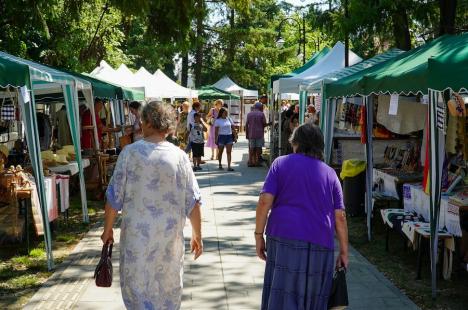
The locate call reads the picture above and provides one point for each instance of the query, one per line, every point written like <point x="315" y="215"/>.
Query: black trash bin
<point x="354" y="187"/>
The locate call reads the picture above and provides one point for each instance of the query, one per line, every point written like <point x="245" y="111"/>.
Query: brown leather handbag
<point x="103" y="272"/>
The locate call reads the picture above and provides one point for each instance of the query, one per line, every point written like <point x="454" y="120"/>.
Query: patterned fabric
<point x="7" y="113"/>
<point x="298" y="275"/>
<point x="154" y="186"/>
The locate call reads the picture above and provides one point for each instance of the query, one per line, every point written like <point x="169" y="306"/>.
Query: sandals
<point x="220" y="167"/>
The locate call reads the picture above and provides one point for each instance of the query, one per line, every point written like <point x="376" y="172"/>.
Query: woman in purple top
<point x="306" y="203"/>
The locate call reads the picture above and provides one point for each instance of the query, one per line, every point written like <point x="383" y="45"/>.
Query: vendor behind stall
<point x="87" y="126"/>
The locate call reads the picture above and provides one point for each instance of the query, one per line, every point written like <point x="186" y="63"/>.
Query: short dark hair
<point x="135" y="105"/>
<point x="221" y="112"/>
<point x="196" y="104"/>
<point x="263" y="96"/>
<point x="309" y="140"/>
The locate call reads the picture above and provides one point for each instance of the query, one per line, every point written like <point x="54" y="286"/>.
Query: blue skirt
<point x="298" y="275"/>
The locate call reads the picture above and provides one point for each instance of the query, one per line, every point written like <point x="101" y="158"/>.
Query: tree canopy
<point x="215" y="37"/>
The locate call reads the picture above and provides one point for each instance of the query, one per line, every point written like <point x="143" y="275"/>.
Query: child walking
<point x="197" y="141"/>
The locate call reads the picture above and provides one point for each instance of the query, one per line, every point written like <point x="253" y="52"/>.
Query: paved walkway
<point x="228" y="275"/>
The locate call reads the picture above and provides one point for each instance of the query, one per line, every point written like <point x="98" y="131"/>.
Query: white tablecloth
<point x="416" y="200"/>
<point x="71" y="168"/>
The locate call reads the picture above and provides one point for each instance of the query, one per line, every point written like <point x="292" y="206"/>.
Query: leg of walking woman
<point x="220" y="155"/>
<point x="228" y="152"/>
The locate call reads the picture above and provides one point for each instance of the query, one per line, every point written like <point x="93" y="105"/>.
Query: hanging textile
<point x="7" y="113"/>
<point x="408" y="118"/>
<point x="363" y="124"/>
<point x="64" y="135"/>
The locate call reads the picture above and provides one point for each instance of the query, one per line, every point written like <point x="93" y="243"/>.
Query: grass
<point x="21" y="275"/>
<point x="399" y="265"/>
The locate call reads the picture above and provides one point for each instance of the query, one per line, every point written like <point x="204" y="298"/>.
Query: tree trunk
<point x="448" y="11"/>
<point x="232" y="42"/>
<point x="401" y="28"/>
<point x="200" y="16"/>
<point x="185" y="67"/>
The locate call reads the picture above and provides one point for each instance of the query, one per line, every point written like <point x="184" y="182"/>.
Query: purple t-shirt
<point x="307" y="193"/>
<point x="256" y="122"/>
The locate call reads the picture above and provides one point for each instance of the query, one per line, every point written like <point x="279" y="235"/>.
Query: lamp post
<point x="302" y="35"/>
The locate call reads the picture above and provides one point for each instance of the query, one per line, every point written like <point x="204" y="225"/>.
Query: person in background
<point x="196" y="107"/>
<point x="224" y="129"/>
<point x="197" y="141"/>
<point x="136" y="131"/>
<point x="154" y="187"/>
<point x="63" y="132"/>
<point x="254" y="128"/>
<point x="304" y="199"/>
<point x="311" y="115"/>
<point x="212" y="116"/>
<point x="182" y="126"/>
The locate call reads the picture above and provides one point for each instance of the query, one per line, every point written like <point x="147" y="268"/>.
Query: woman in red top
<point x="87" y="126"/>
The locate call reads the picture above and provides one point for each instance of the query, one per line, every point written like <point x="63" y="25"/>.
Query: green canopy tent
<point x="409" y="74"/>
<point x="446" y="72"/>
<point x="29" y="78"/>
<point x="212" y="93"/>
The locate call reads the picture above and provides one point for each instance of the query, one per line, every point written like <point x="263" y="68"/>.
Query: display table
<point x="415" y="229"/>
<point x="416" y="200"/>
<point x="71" y="168"/>
<point x="391" y="180"/>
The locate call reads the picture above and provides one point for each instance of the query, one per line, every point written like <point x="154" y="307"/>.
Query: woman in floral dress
<point x="155" y="188"/>
<point x="212" y="116"/>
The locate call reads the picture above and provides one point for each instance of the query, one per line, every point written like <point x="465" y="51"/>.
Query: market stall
<point x="22" y="79"/>
<point x="398" y="87"/>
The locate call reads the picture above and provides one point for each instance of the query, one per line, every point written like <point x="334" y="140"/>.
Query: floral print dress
<point x="154" y="186"/>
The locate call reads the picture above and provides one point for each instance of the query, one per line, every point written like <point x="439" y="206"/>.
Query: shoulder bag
<point x="103" y="272"/>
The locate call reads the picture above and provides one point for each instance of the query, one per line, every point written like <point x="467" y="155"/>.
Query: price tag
<point x="25" y="94"/>
<point x="393" y="110"/>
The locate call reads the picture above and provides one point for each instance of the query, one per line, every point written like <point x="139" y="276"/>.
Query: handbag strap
<point x="107" y="250"/>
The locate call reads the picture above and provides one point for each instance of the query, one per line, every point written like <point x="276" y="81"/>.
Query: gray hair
<point x="309" y="140"/>
<point x="161" y="116"/>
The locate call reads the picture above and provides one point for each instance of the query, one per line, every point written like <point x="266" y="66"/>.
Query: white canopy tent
<point x="157" y="85"/>
<point x="167" y="88"/>
<point x="333" y="61"/>
<point x="230" y="86"/>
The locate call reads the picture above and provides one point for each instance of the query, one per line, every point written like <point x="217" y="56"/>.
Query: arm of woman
<point x="265" y="202"/>
<point x="216" y="135"/>
<point x="109" y="219"/>
<point x="341" y="228"/>
<point x="196" y="244"/>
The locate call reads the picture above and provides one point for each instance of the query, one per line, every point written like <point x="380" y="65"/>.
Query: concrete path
<point x="228" y="275"/>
